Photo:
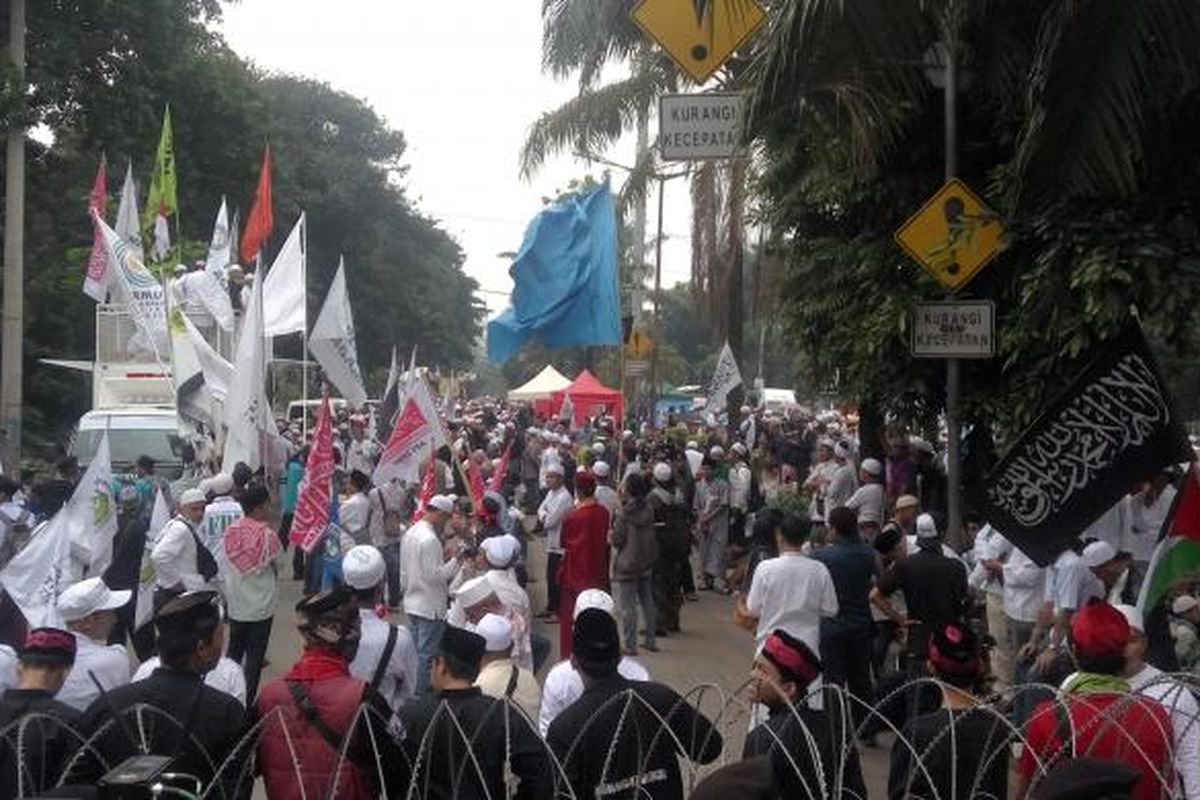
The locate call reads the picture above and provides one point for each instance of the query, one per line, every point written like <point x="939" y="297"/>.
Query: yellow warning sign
<point x="699" y="34"/>
<point x="953" y="236"/>
<point x="639" y="345"/>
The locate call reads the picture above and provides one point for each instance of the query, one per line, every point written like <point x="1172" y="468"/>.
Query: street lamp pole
<point x="12" y="349"/>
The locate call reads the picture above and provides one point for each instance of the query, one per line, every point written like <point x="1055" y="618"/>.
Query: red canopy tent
<point x="590" y="397"/>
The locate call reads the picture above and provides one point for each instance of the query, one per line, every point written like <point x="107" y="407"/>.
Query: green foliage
<point x="101" y="73"/>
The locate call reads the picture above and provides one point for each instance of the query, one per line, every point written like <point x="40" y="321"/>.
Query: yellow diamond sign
<point x="699" y="34"/>
<point x="639" y="346"/>
<point x="953" y="236"/>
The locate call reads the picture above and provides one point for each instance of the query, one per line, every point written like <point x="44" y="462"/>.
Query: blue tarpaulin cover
<point x="565" y="279"/>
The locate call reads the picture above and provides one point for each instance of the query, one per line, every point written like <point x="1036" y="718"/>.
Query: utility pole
<point x="12" y="350"/>
<point x="658" y="329"/>
<point x="953" y="380"/>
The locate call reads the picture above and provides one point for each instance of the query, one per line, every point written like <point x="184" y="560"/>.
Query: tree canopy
<point x="100" y="74"/>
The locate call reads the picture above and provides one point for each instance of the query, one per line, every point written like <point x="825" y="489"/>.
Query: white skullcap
<point x="1182" y="604"/>
<point x="554" y="468"/>
<point x="594" y="598"/>
<point x="221" y="483"/>
<point x="474" y="591"/>
<point x="716" y="451"/>
<point x="598" y="447"/>
<point x="691" y="445"/>
<point x="500" y="550"/>
<point x="745" y="409"/>
<point x="582" y="468"/>
<point x="926" y="527"/>
<point x="662" y="472"/>
<point x="1098" y="553"/>
<point x="89" y="596"/>
<point x="441" y="502"/>
<point x="496" y="631"/>
<point x="1132" y="616"/>
<point x="363" y="567"/>
<point x="871" y="466"/>
<point x="601" y="469"/>
<point x="191" y="497"/>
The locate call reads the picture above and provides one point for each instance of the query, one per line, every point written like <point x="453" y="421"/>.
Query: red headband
<point x="952" y="666"/>
<point x="789" y="659"/>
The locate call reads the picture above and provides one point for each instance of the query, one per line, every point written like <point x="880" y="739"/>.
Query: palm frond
<point x="585" y="35"/>
<point x="590" y="121"/>
<point x="1100" y="68"/>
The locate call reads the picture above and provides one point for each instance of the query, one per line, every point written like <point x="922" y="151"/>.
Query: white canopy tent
<point x="542" y="385"/>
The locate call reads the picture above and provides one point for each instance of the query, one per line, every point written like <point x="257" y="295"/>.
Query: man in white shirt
<point x="362" y="453"/>
<point x="425" y="576"/>
<point x="226" y="676"/>
<point x="989" y="553"/>
<point x="1024" y="590"/>
<point x="1148" y="510"/>
<point x="500" y="676"/>
<point x="354" y="514"/>
<point x="867" y="499"/>
<point x="554" y="509"/>
<point x="818" y="479"/>
<point x="1174" y="696"/>
<point x="1075" y="581"/>
<point x="221" y="511"/>
<point x="549" y="456"/>
<point x="89" y="609"/>
<point x="175" y="557"/>
<point x="606" y="495"/>
<point x="563" y="684"/>
<point x="791" y="592"/>
<point x="386" y="657"/>
<point x="739" y="494"/>
<point x="842" y="481"/>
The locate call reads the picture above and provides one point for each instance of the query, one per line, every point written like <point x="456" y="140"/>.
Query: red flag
<point x="95" y="283"/>
<point x="427" y="485"/>
<point x="475" y="485"/>
<point x="261" y="221"/>
<point x="316" y="490"/>
<point x="497" y="482"/>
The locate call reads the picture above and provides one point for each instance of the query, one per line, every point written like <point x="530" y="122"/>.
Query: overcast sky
<point x="463" y="81"/>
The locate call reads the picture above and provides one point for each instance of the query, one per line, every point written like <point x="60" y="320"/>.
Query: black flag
<point x="1114" y="427"/>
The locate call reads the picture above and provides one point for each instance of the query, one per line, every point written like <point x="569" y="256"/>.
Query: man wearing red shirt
<point x="585" y="554"/>
<point x="1098" y="717"/>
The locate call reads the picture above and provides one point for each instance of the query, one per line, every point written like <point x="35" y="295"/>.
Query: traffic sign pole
<point x="953" y="375"/>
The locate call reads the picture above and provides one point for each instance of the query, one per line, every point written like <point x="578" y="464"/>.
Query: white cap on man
<point x="501" y="551"/>
<point x="221" y="483"/>
<point x="1097" y="554"/>
<point x="192" y="497"/>
<point x="594" y="598"/>
<point x="496" y="631"/>
<point x="89" y="596"/>
<point x="926" y="527"/>
<point x="1183" y="604"/>
<point x="554" y="468"/>
<point x="601" y="469"/>
<point x="441" y="502"/>
<point x="662" y="472"/>
<point x="474" y="591"/>
<point x="363" y="567"/>
<point x="872" y="467"/>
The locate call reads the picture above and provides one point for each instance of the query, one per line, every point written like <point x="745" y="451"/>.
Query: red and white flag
<point x="316" y="490"/>
<point x="95" y="283"/>
<point x="496" y="484"/>
<point x="427" y="485"/>
<point x="416" y="434"/>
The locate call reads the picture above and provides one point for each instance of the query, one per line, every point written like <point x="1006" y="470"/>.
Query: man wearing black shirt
<point x="934" y="586"/>
<point x="621" y="738"/>
<point x="462" y="743"/>
<point x="847" y="639"/>
<point x="782" y="674"/>
<point x="37" y="741"/>
<point x="960" y="750"/>
<point x="196" y="725"/>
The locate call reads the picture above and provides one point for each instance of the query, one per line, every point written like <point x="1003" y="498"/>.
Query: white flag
<point x="127" y="226"/>
<point x="210" y="285"/>
<point x="162" y="239"/>
<point x="192" y="398"/>
<point x="725" y="377"/>
<point x="332" y="342"/>
<point x="246" y="402"/>
<point x="144" y="294"/>
<point x="159" y="518"/>
<point x="417" y="432"/>
<point x="218" y="373"/>
<point x="283" y="289"/>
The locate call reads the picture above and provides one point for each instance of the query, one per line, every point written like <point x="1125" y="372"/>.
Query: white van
<point x="133" y="431"/>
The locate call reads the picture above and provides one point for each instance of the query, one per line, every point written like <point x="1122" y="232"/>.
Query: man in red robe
<point x="585" y="554"/>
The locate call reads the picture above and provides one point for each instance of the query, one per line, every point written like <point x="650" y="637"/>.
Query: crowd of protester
<point x="425" y="665"/>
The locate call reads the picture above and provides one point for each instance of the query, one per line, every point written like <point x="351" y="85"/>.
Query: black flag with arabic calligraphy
<point x="1114" y="427"/>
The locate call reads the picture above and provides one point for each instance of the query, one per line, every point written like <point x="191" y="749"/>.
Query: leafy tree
<point x="100" y="74"/>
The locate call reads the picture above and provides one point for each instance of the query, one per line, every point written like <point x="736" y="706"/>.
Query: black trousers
<point x="846" y="656"/>
<point x="248" y="646"/>
<point x="553" y="595"/>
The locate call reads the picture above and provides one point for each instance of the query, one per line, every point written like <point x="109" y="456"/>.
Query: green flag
<point x="162" y="200"/>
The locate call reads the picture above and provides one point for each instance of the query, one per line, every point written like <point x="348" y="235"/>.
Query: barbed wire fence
<point x="731" y="714"/>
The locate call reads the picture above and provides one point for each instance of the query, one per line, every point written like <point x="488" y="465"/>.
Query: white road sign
<point x="693" y="127"/>
<point x="965" y="329"/>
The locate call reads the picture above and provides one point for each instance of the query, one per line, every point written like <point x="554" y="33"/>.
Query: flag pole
<point x="304" y="333"/>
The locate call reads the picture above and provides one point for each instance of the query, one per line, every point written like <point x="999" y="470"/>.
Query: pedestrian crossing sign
<point x="953" y="236"/>
<point x="699" y="34"/>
